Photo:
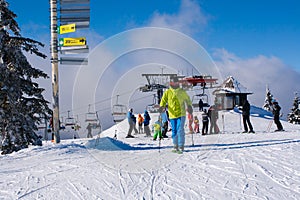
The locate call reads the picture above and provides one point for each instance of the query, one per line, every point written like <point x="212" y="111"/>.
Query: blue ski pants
<point x="178" y="134"/>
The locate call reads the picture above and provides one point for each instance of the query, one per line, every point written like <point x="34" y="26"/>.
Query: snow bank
<point x="230" y="165"/>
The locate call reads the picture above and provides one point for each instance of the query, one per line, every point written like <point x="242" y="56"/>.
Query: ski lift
<point x="92" y="119"/>
<point x="42" y="125"/>
<point x="154" y="107"/>
<point x="70" y="121"/>
<point x="119" y="112"/>
<point x="196" y="98"/>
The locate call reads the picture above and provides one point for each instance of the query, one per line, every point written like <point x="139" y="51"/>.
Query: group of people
<point x="176" y="102"/>
<point x="246" y="116"/>
<point x="210" y="115"/>
<point x="160" y="127"/>
<point x="141" y="121"/>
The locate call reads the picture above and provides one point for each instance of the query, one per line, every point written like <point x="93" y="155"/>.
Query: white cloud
<point x="257" y="72"/>
<point x="189" y="16"/>
<point x="67" y="73"/>
<point x="254" y="72"/>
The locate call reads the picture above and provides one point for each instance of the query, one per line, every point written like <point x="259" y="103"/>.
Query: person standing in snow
<point x="178" y="101"/>
<point x="134" y="121"/>
<point x="131" y="121"/>
<point x="147" y="119"/>
<point x="276" y="113"/>
<point x="89" y="129"/>
<point x="165" y="122"/>
<point x="140" y="123"/>
<point x="205" y="122"/>
<point x="190" y="122"/>
<point x="157" y="129"/>
<point x="246" y="117"/>
<point x="213" y="116"/>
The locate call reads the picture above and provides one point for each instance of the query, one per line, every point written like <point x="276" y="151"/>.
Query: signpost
<point x="54" y="64"/>
<point x="73" y="14"/>
<point x="67" y="42"/>
<point x="68" y="28"/>
<point x="73" y="49"/>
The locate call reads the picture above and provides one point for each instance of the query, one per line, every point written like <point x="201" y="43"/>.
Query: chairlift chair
<point x="153" y="108"/>
<point x="119" y="111"/>
<point x="70" y="121"/>
<point x="42" y="123"/>
<point x="92" y="119"/>
<point x="41" y="126"/>
<point x="196" y="98"/>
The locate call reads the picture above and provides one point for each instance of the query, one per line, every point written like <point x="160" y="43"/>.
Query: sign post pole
<point x="54" y="64"/>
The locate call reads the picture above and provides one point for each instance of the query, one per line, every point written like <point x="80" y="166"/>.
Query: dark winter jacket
<point x="204" y="117"/>
<point x="276" y="109"/>
<point x="146" y="118"/>
<point x="246" y="108"/>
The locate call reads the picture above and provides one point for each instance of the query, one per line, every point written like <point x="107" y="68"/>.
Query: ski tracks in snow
<point x="278" y="172"/>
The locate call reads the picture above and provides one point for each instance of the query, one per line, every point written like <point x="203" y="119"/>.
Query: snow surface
<point x="231" y="165"/>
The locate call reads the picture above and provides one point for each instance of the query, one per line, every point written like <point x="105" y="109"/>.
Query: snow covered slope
<point x="230" y="165"/>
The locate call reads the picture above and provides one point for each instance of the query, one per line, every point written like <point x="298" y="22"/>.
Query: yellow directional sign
<point x="66" y="42"/>
<point x="69" y="28"/>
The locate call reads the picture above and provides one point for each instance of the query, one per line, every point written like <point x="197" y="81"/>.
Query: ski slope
<point x="231" y="165"/>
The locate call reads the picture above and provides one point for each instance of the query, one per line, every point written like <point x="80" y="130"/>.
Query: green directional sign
<point x="69" y="28"/>
<point x="67" y="42"/>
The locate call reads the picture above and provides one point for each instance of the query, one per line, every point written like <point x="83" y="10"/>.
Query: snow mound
<point x="108" y="144"/>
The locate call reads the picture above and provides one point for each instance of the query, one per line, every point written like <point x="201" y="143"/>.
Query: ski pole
<point x="159" y="145"/>
<point x="192" y="138"/>
<point x="161" y="130"/>
<point x="269" y="126"/>
<point x="223" y="120"/>
<point x="241" y="116"/>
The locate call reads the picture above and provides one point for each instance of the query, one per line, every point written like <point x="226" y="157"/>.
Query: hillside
<point x="231" y="165"/>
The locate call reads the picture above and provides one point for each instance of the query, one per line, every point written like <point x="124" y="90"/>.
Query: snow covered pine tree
<point x="21" y="101"/>
<point x="294" y="115"/>
<point x="268" y="100"/>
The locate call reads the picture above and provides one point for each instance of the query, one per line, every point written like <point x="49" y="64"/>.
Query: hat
<point x="174" y="79"/>
<point x="174" y="82"/>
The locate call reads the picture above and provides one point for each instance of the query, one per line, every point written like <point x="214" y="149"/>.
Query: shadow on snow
<point x="109" y="144"/>
<point x="242" y="145"/>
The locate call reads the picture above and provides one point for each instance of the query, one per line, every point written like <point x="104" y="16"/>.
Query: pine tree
<point x="21" y="101"/>
<point x="268" y="100"/>
<point x="294" y="115"/>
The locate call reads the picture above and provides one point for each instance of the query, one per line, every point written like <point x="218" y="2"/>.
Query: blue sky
<point x="246" y="28"/>
<point x="256" y="41"/>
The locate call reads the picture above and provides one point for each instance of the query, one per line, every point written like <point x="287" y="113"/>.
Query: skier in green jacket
<point x="178" y="103"/>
